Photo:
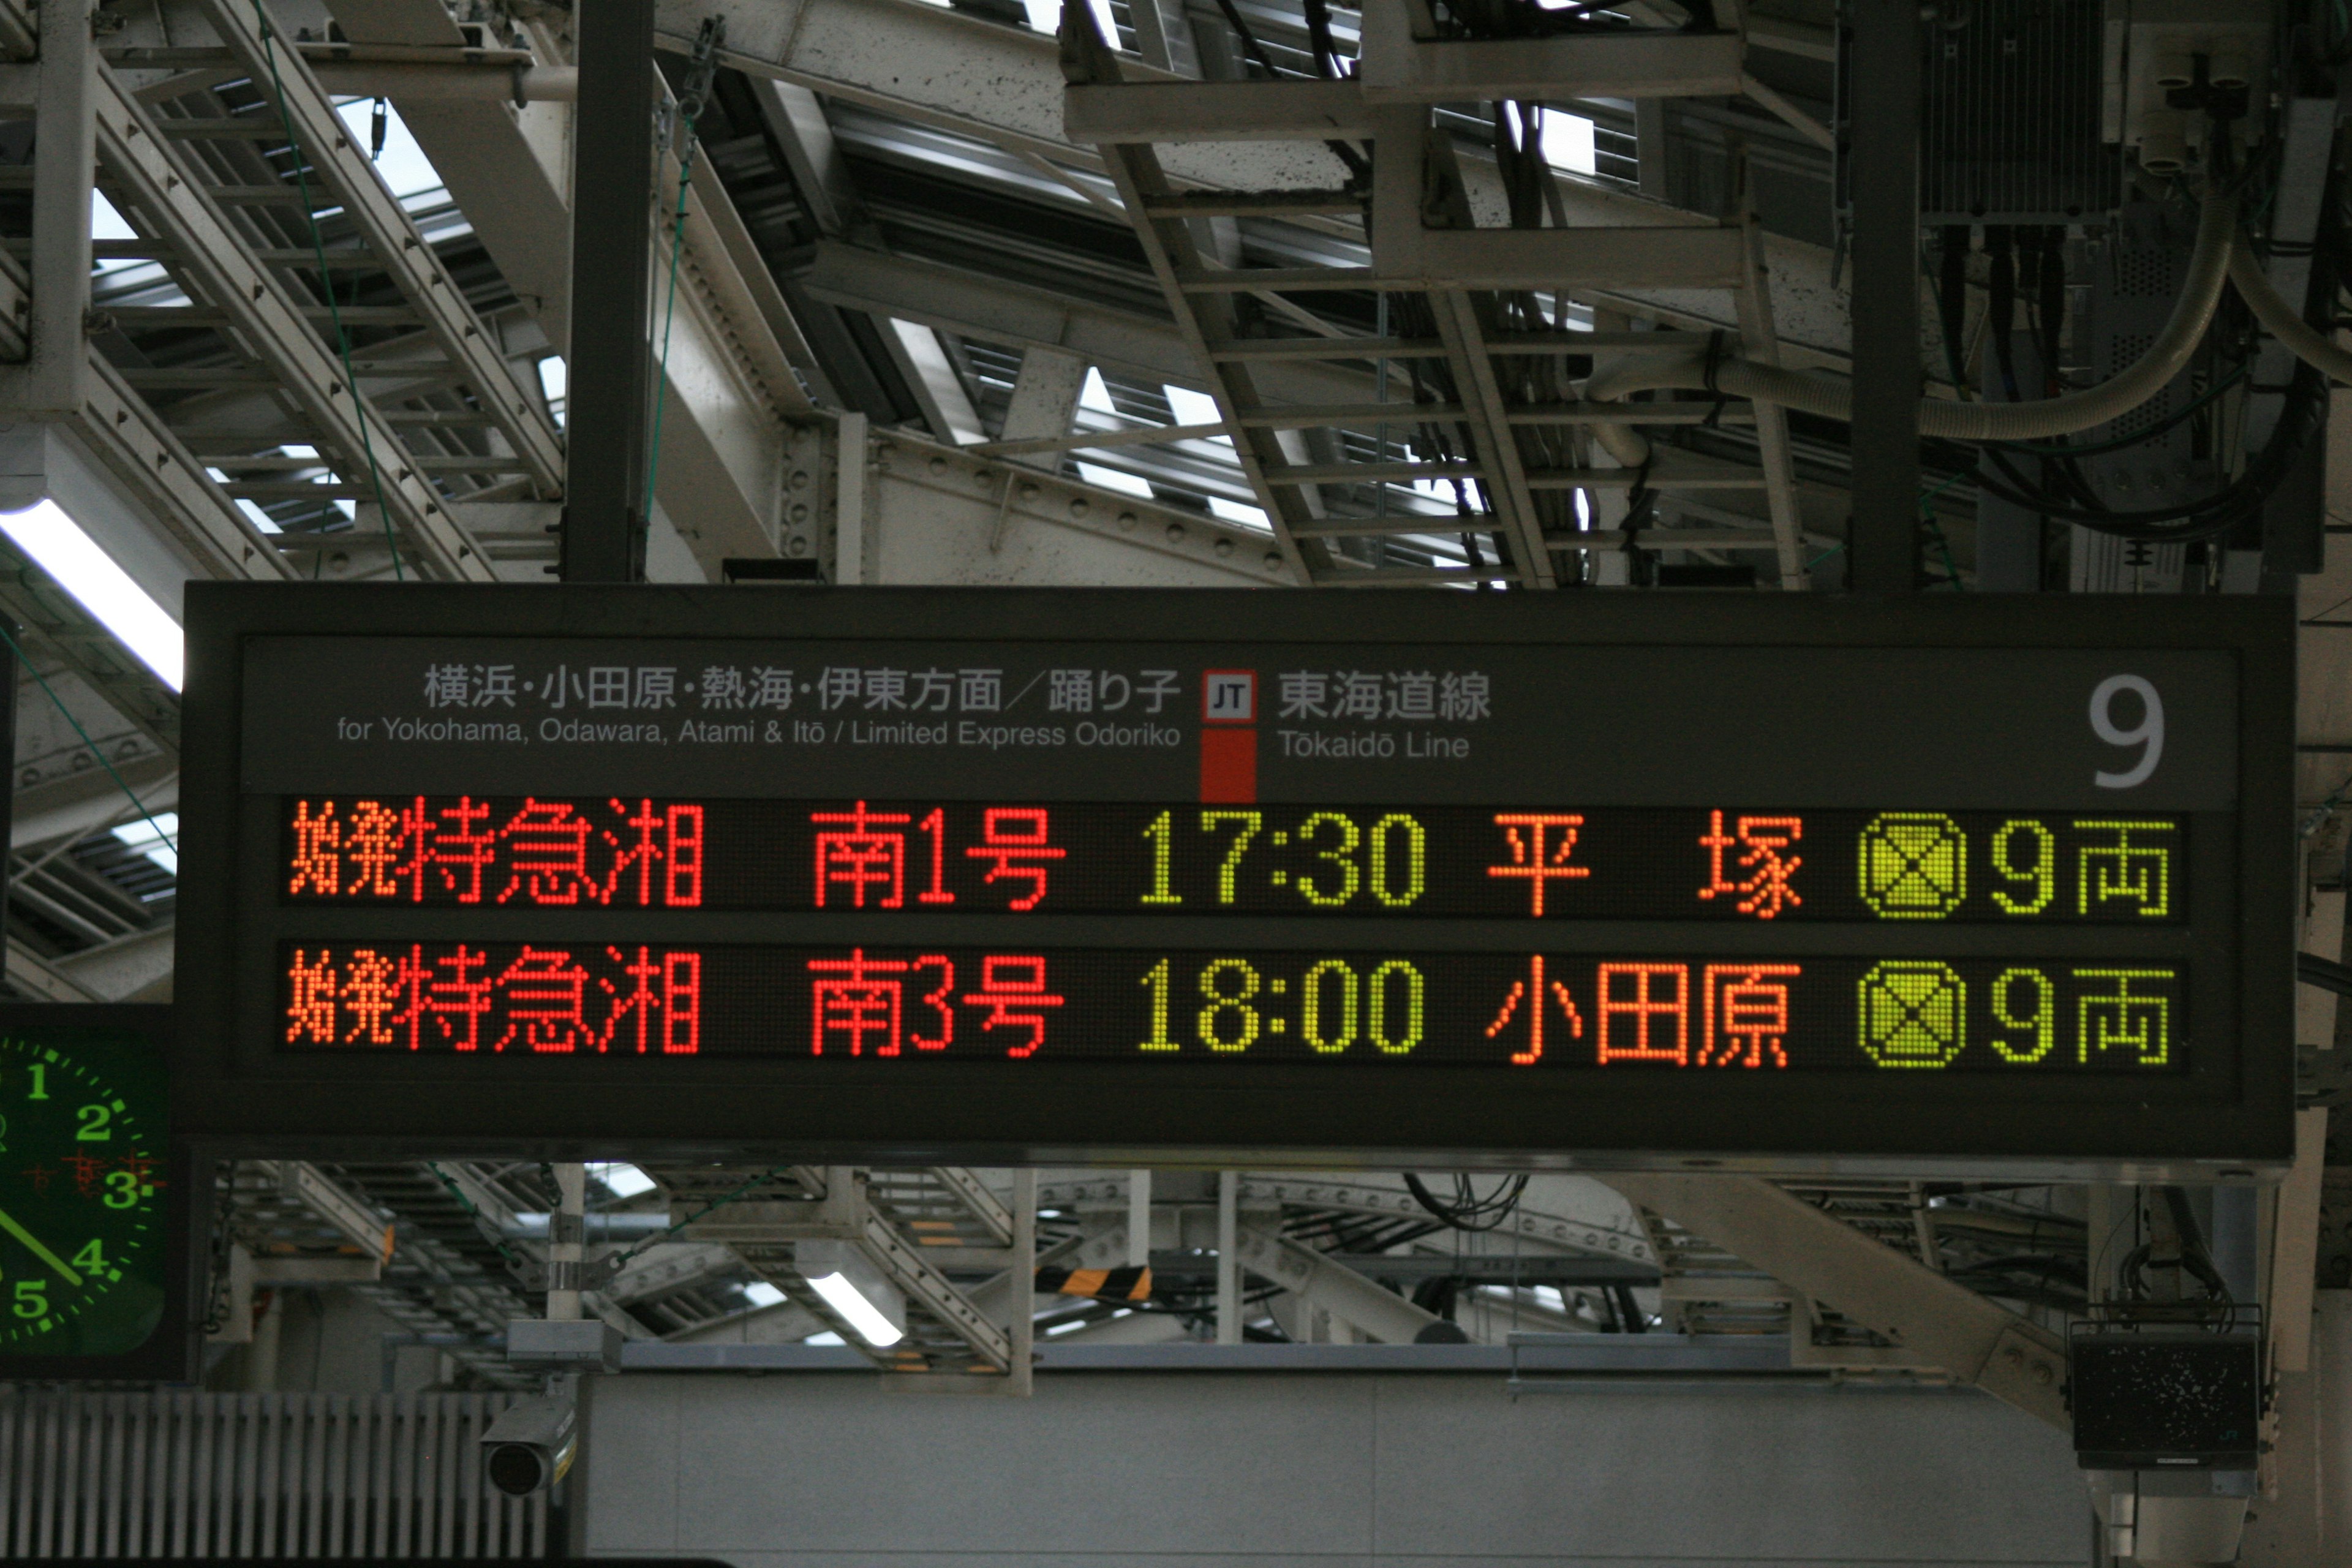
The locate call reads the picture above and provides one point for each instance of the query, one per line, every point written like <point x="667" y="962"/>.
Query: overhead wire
<point x="168" y="839"/>
<point x="327" y="286"/>
<point x="712" y="1207"/>
<point x="1469" y="1210"/>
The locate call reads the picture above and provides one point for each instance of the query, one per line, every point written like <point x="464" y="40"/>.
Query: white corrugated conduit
<point x="2212" y="262"/>
<point x="2283" y="321"/>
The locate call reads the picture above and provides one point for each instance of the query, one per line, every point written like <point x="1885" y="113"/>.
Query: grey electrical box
<point x="2009" y="129"/>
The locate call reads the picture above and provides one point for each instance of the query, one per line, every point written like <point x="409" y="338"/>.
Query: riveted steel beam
<point x="1378" y="1311"/>
<point x="1885" y="1291"/>
<point x="213" y="256"/>
<point x="385" y="225"/>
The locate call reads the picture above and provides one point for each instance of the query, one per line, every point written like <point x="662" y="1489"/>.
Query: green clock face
<point x="81" y="1208"/>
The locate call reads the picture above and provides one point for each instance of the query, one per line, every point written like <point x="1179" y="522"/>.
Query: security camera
<point x="531" y="1446"/>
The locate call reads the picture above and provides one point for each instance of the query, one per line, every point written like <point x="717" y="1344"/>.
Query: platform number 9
<point x="2148" y="734"/>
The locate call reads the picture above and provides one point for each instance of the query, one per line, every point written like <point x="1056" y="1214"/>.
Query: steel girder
<point x="1424" y="243"/>
<point x="385" y="228"/>
<point x="1568" y="1213"/>
<point x="1003" y="85"/>
<point x="733" y="347"/>
<point x="1377" y="1311"/>
<point x="761" y="1216"/>
<point x="232" y="276"/>
<point x="1885" y="1291"/>
<point x="117" y="428"/>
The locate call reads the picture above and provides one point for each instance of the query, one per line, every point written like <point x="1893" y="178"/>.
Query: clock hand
<point x="8" y="1223"/>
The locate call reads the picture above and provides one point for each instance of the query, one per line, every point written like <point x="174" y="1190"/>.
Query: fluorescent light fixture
<point x="827" y="1338"/>
<point x="760" y="1293"/>
<point x="622" y="1181"/>
<point x="862" y="1314"/>
<point x="157" y="839"/>
<point x="45" y="533"/>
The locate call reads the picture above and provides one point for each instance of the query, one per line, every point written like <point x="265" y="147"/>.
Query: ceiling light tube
<point x="59" y="546"/>
<point x="857" y="1312"/>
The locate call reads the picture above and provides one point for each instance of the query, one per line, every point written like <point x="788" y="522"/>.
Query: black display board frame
<point x="2225" y="1119"/>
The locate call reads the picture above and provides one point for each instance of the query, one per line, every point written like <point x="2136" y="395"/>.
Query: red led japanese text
<point x="458" y="997"/>
<point x="641" y="854"/>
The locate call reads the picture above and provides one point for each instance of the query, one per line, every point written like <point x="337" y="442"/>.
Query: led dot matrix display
<point x="1630" y="882"/>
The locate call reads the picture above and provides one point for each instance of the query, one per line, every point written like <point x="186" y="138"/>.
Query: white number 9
<point x="2148" y="733"/>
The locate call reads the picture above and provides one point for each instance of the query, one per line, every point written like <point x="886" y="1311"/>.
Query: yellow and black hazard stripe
<point x="1131" y="1283"/>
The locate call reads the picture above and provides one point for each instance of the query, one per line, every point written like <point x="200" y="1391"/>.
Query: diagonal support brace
<point x="1885" y="1290"/>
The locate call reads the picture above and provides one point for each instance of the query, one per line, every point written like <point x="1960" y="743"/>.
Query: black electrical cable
<point x="2326" y="973"/>
<point x="1952" y="300"/>
<point x="1469" y="1211"/>
<point x="1499" y="19"/>
<point x="2000" y="306"/>
<point x="2203" y="518"/>
<point x="1358" y="167"/>
<point x="2050" y="318"/>
<point x="2211" y="515"/>
<point x="2147" y="433"/>
<point x="1318" y="29"/>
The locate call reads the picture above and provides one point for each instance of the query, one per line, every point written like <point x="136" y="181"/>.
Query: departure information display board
<point x="976" y="873"/>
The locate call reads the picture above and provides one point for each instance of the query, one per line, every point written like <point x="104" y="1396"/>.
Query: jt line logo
<point x="1229" y="696"/>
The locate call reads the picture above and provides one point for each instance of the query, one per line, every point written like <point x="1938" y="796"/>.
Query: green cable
<point x="327" y="282"/>
<point x="702" y="1213"/>
<point x="1927" y="516"/>
<point x="669" y="315"/>
<point x="481" y="1221"/>
<point x="142" y="805"/>
<point x="1924" y="499"/>
<point x="1951" y="567"/>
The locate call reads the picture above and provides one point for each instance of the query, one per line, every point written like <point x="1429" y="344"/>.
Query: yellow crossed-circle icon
<point x="1913" y="1013"/>
<point x="1914" y="864"/>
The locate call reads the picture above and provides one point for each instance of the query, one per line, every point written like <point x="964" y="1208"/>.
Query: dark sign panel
<point x="988" y="874"/>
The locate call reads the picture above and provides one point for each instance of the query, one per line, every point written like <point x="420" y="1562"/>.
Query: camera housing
<point x="530" y="1446"/>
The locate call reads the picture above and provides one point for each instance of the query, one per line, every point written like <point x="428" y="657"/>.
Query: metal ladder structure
<point x="353" y="370"/>
<point x="1481" y="315"/>
<point x="889" y="1216"/>
<point x="431" y="1270"/>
